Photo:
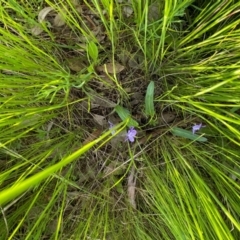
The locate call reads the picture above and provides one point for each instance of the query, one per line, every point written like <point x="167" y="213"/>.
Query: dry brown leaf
<point x="154" y="11"/>
<point x="75" y="2"/>
<point x="118" y="139"/>
<point x="59" y="20"/>
<point x="128" y="11"/>
<point x="36" y="30"/>
<point x="111" y="68"/>
<point x="99" y="119"/>
<point x="79" y="9"/>
<point x="95" y="134"/>
<point x="100" y="101"/>
<point x="124" y="57"/>
<point x="99" y="33"/>
<point x="121" y="136"/>
<point x="43" y="13"/>
<point x="105" y="78"/>
<point x="76" y="64"/>
<point x="82" y="47"/>
<point x="136" y="61"/>
<point x="167" y="117"/>
<point x="137" y="98"/>
<point x="114" y="168"/>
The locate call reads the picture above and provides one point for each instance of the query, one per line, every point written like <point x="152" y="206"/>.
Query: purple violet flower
<point x="131" y="134"/>
<point x="196" y="127"/>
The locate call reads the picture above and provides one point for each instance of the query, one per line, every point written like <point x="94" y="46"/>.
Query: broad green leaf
<point x="92" y="51"/>
<point x="187" y="134"/>
<point x="124" y="114"/>
<point x="149" y="105"/>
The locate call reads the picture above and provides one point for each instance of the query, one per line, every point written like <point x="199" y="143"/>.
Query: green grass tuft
<point x="75" y="76"/>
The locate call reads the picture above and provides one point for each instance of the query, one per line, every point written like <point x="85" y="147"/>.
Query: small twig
<point x="131" y="187"/>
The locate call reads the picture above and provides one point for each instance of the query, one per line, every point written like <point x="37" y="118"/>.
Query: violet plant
<point x="196" y="127"/>
<point x="131" y="133"/>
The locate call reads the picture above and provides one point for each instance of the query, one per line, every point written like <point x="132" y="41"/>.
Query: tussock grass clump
<point x="79" y="79"/>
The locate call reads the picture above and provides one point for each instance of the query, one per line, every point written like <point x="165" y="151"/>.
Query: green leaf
<point x="124" y="114"/>
<point x="149" y="105"/>
<point x="187" y="134"/>
<point x="92" y="51"/>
